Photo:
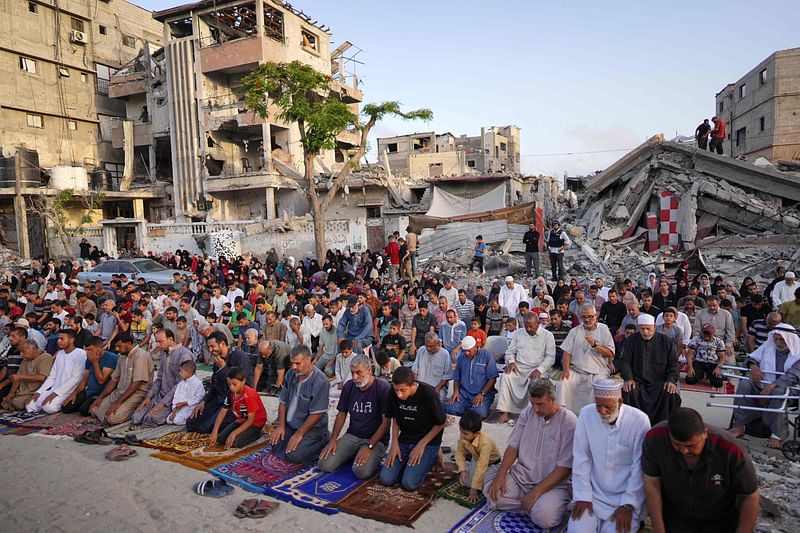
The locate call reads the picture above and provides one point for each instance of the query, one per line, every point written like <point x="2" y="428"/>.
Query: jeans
<point x="410" y="477"/>
<point x="347" y="447"/>
<point x="557" y="265"/>
<point x="532" y="258"/>
<point x="413" y="259"/>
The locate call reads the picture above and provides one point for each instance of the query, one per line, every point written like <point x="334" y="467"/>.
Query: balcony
<point x="231" y="57"/>
<point x="350" y="94"/>
<point x="142" y="134"/>
<point x="196" y="228"/>
<point x="124" y="85"/>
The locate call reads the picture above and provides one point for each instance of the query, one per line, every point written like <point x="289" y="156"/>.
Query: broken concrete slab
<point x="611" y="234"/>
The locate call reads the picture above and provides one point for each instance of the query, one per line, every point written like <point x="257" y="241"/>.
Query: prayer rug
<point x="207" y="458"/>
<point x="258" y="471"/>
<point x="73" y="428"/>
<point x="394" y="505"/>
<point x="141" y="432"/>
<point x="177" y="441"/>
<point x="52" y="421"/>
<point x="484" y="520"/>
<point x="19" y="431"/>
<point x="18" y="418"/>
<point x="314" y="489"/>
<point x="727" y="388"/>
<point x="458" y="493"/>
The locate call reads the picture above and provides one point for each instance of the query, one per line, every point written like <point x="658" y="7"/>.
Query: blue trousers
<point x="464" y="405"/>
<point x="410" y="477"/>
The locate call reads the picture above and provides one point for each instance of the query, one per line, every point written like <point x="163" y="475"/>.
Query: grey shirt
<point x="305" y="398"/>
<point x="169" y="374"/>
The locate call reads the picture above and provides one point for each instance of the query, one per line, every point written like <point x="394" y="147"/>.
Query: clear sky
<point x="575" y="76"/>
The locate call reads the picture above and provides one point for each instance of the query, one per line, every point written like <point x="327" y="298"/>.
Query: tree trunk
<point x="317" y="210"/>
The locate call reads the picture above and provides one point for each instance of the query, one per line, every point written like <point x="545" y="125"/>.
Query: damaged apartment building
<point x="228" y="163"/>
<point x="57" y="121"/>
<point x="428" y="155"/>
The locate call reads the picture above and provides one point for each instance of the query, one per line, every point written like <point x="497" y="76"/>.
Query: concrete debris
<point x="779" y="482"/>
<point x="662" y="200"/>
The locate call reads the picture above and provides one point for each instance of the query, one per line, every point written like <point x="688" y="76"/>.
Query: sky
<point x="576" y="76"/>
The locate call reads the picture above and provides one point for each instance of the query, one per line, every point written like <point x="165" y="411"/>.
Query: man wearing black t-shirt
<point x="417" y="422"/>
<point x="612" y="312"/>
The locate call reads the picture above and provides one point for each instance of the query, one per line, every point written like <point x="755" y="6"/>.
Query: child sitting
<point x="485" y="456"/>
<point x="342" y="366"/>
<point x="386" y="363"/>
<point x="251" y="416"/>
<point x="227" y="313"/>
<point x="477" y="333"/>
<point x="182" y="332"/>
<point x="188" y="393"/>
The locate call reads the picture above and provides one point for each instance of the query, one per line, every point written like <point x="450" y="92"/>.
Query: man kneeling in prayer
<point x="534" y="475"/>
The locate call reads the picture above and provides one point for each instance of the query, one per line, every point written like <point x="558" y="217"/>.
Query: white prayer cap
<point x="607" y="388"/>
<point x="544" y="315"/>
<point x="511" y="278"/>
<point x="646" y="320"/>
<point x="468" y="343"/>
<point x="789" y="275"/>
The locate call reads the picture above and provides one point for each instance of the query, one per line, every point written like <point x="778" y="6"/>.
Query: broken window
<point x="373" y="211"/>
<point x="309" y="41"/>
<point x="181" y="28"/>
<point x="103" y="30"/>
<point x="762" y="122"/>
<point x="63" y="72"/>
<point x="35" y="121"/>
<point x="503" y="147"/>
<point x="77" y="24"/>
<point x="32" y="7"/>
<point x="421" y="143"/>
<point x="743" y="91"/>
<point x="391" y="148"/>
<point x="763" y="76"/>
<point x="273" y="23"/>
<point x="27" y="64"/>
<point x="471" y="163"/>
<point x="229" y="24"/>
<point x="129" y="41"/>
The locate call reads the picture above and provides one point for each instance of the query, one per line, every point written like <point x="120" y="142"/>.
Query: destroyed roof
<point x="164" y="14"/>
<point x="440" y="179"/>
<point x="743" y="174"/>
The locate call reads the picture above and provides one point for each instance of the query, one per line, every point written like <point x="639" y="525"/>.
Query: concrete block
<point x="611" y="234"/>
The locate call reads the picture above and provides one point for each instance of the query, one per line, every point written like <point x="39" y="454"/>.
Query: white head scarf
<point x="765" y="354"/>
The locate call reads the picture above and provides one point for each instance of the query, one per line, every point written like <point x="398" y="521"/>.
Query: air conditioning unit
<point x="78" y="37"/>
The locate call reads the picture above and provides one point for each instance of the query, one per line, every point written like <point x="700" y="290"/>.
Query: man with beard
<point x="649" y="365"/>
<point x="607" y="487"/>
<point x="364" y="399"/>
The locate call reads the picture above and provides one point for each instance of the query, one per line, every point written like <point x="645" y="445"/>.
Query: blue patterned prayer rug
<point x="18" y="418"/>
<point x="257" y="471"/>
<point x="484" y="520"/>
<point x="314" y="489"/>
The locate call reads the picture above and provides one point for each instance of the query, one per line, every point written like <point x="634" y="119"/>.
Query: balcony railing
<point x="101" y="86"/>
<point x="197" y="228"/>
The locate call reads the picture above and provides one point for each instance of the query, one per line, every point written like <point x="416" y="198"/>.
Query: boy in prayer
<point x="251" y="416"/>
<point x="188" y="393"/>
<point x="483" y="453"/>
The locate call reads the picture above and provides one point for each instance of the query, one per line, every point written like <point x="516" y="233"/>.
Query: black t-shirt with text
<point x="417" y="414"/>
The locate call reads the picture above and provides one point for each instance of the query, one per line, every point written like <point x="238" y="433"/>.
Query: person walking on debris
<point x="531" y="242"/>
<point x="701" y="134"/>
<point x="717" y="135"/>
<point x="557" y="241"/>
<point x="479" y="251"/>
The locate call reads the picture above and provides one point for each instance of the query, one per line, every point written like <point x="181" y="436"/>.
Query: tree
<point x="303" y="96"/>
<point x="53" y="212"/>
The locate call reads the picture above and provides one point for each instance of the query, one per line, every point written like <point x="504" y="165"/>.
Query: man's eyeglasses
<point x="587" y="317"/>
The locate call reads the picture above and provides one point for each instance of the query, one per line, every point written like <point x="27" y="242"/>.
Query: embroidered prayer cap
<point x="646" y="320"/>
<point x="607" y="388"/>
<point x="509" y="278"/>
<point x="468" y="343"/>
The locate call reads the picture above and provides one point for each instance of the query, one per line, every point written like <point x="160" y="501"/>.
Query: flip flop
<point x="132" y="440"/>
<point x="262" y="509"/>
<point x="213" y="488"/>
<point x="85" y="438"/>
<point x="244" y="508"/>
<point x="101" y="437"/>
<point x="121" y="453"/>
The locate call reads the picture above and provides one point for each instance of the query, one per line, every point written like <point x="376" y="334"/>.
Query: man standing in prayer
<point x="607" y="484"/>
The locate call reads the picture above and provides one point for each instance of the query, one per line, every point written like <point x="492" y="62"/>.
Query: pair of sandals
<point x="254" y="508"/>
<point x="95" y="436"/>
<point x="121" y="453"/>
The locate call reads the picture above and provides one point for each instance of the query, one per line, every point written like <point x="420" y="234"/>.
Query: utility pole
<point x="20" y="211"/>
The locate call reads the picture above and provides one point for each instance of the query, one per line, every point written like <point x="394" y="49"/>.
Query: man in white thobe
<point x="588" y="350"/>
<point x="511" y="294"/>
<point x="530" y="355"/>
<point x="607" y="481"/>
<point x="64" y="377"/>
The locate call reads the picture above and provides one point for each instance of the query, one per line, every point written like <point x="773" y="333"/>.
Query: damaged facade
<point x="58" y="119"/>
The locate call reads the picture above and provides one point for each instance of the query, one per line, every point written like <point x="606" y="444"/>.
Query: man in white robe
<point x="607" y="481"/>
<point x="588" y="350"/>
<point x="64" y="377"/>
<point x="511" y="294"/>
<point x="530" y="355"/>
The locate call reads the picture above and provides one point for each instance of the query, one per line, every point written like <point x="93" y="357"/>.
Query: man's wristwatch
<point x="628" y="507"/>
<point x="370" y="445"/>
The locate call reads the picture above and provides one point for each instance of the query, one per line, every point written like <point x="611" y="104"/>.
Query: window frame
<point x="31" y="119"/>
<point x="25" y="63"/>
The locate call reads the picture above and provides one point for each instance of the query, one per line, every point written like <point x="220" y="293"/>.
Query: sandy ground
<point x="58" y="485"/>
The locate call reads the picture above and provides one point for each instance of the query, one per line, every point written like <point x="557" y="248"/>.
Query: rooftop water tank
<point x="64" y="177"/>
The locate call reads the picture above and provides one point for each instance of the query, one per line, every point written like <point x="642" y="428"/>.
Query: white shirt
<point x="235" y="293"/>
<point x="537" y="352"/>
<point x="583" y="357"/>
<point x="607" y="460"/>
<point x="217" y="303"/>
<point x="783" y="292"/>
<point x="342" y="369"/>
<point x="65" y="374"/>
<point x="312" y="324"/>
<point x="452" y="295"/>
<point x="190" y="391"/>
<point x="510" y="298"/>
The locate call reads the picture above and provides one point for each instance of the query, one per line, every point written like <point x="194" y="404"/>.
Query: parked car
<point x="153" y="272"/>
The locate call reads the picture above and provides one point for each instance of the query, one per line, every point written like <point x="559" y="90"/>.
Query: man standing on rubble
<point x="531" y="242"/>
<point x="718" y="135"/>
<point x="701" y="134"/>
<point x="557" y="241"/>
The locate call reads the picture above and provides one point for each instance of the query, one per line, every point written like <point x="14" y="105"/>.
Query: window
<point x="503" y="147"/>
<point x="741" y="136"/>
<point x="63" y="72"/>
<point x="471" y="163"/>
<point x="373" y="211"/>
<point x="77" y="24"/>
<point x="309" y="41"/>
<point x="35" y="121"/>
<point x="391" y="148"/>
<point x="128" y="41"/>
<point x="273" y="23"/>
<point x="83" y="77"/>
<point x="27" y="64"/>
<point x="762" y="123"/>
<point x="72" y="125"/>
<point x="743" y="91"/>
<point x="763" y="76"/>
<point x="721" y="107"/>
<point x="32" y="7"/>
<point x="103" y="30"/>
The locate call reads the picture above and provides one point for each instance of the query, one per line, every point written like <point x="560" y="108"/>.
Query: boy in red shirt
<point x="248" y="410"/>
<point x="477" y="333"/>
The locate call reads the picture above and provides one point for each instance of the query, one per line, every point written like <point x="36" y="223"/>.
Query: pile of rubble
<point x="731" y="216"/>
<point x="779" y="483"/>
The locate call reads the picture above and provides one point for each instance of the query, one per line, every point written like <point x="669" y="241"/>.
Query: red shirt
<point x="393" y="252"/>
<point x="248" y="402"/>
<point x="479" y="335"/>
<point x="721" y="129"/>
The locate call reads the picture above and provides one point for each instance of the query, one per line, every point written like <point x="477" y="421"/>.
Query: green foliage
<point x="377" y="112"/>
<point x="61" y="202"/>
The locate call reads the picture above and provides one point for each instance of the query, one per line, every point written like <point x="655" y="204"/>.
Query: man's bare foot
<point x="737" y="431"/>
<point x="773" y="443"/>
